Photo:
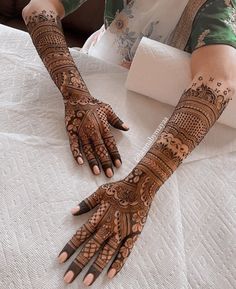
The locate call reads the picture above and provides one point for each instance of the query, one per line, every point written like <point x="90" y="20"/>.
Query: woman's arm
<point x="87" y="119"/>
<point x="123" y="206"/>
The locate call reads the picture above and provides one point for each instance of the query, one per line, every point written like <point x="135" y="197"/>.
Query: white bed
<point x="189" y="240"/>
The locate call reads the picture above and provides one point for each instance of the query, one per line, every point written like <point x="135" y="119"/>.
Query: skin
<point x="88" y="120"/>
<point x="218" y="61"/>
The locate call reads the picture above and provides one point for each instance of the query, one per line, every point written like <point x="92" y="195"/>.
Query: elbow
<point x="25" y="12"/>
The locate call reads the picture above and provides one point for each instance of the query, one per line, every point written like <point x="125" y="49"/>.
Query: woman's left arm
<point x="122" y="207"/>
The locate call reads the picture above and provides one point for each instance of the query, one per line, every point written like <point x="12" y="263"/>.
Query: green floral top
<point x="202" y="22"/>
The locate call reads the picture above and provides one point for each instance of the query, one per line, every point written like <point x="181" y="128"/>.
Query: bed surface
<point x="189" y="240"/>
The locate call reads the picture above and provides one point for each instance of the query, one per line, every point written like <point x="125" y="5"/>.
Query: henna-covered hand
<point x="122" y="209"/>
<point x="88" y="123"/>
<point x="123" y="206"/>
<point x="87" y="119"/>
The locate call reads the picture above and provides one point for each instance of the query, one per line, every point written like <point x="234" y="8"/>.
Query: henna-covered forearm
<point x="46" y="32"/>
<point x="122" y="207"/>
<point x="87" y="119"/>
<point x="196" y="112"/>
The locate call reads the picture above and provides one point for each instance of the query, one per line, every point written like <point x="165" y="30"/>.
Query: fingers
<point x="78" y="238"/>
<point x="89" y="203"/>
<point x="115" y="121"/>
<point x="122" y="256"/>
<point x="83" y="233"/>
<point x="87" y="252"/>
<point x="90" y="156"/>
<point x="103" y="155"/>
<point x="75" y="148"/>
<point x="102" y="260"/>
<point x="110" y="143"/>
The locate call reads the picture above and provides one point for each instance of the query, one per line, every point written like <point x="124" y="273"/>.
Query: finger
<point x="83" y="233"/>
<point x="110" y="143"/>
<point x="102" y="260"/>
<point x="90" y="156"/>
<point x="122" y="256"/>
<point x="75" y="148"/>
<point x="114" y="120"/>
<point x="103" y="156"/>
<point x="87" y="253"/>
<point x="87" y="204"/>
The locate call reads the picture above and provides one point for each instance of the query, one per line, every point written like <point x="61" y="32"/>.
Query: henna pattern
<point x="196" y="112"/>
<point x="123" y="206"/>
<point x="122" y="211"/>
<point x="87" y="119"/>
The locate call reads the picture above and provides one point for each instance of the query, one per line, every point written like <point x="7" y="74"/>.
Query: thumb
<point x="87" y="204"/>
<point x="116" y="122"/>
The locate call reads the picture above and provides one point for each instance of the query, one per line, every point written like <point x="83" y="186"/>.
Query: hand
<point x="113" y="229"/>
<point x="88" y="123"/>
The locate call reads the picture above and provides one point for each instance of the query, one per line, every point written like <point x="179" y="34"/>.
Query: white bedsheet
<point x="189" y="240"/>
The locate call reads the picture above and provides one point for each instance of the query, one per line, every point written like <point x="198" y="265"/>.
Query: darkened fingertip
<point x="72" y="272"/>
<point x="109" y="172"/>
<point x="117" y="162"/>
<point x="91" y="276"/>
<point x="111" y="273"/>
<point x="66" y="253"/>
<point x="96" y="170"/>
<point x="83" y="208"/>
<point x="80" y="161"/>
<point x="125" y="127"/>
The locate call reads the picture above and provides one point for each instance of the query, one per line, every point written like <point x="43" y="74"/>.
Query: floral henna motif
<point x="196" y="112"/>
<point x="122" y="212"/>
<point x="123" y="206"/>
<point x="87" y="119"/>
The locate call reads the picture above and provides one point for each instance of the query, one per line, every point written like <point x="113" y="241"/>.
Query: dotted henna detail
<point x="87" y="119"/>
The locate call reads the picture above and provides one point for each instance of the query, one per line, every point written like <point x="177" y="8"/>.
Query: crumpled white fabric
<point x="189" y="238"/>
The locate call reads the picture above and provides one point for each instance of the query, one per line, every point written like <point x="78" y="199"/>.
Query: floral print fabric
<point x="127" y="21"/>
<point x="215" y="23"/>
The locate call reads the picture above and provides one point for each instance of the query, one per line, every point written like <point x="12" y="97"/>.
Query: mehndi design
<point x="87" y="119"/>
<point x="123" y="206"/>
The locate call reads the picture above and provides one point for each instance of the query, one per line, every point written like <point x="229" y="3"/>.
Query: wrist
<point x="75" y="94"/>
<point x="141" y="176"/>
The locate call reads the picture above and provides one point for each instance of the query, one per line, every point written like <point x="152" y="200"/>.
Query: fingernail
<point x="80" y="160"/>
<point x="111" y="273"/>
<point x="88" y="279"/>
<point x="117" y="163"/>
<point x="125" y="126"/>
<point x="69" y="276"/>
<point x="109" y="172"/>
<point x="75" y="210"/>
<point x="96" y="170"/>
<point x="62" y="258"/>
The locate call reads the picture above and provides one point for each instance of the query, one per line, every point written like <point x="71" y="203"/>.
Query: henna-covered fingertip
<point x="80" y="161"/>
<point x="75" y="211"/>
<point x="109" y="173"/>
<point x="88" y="280"/>
<point x="118" y="163"/>
<point x="125" y="127"/>
<point x="96" y="170"/>
<point x="62" y="257"/>
<point x="111" y="273"/>
<point x="69" y="277"/>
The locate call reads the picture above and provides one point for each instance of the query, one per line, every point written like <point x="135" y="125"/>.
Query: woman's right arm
<point x="87" y="119"/>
